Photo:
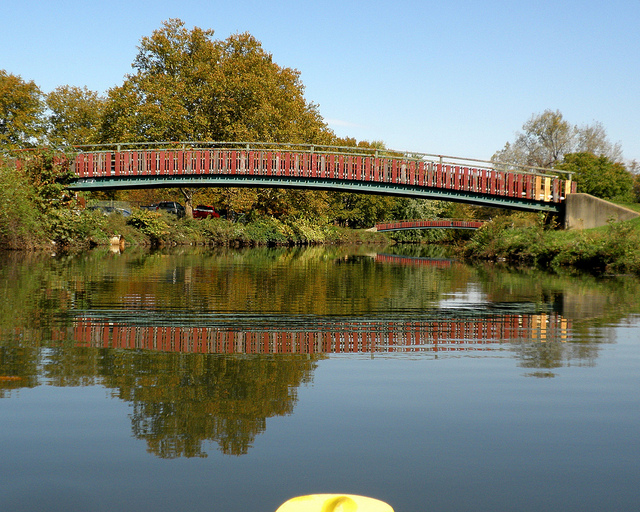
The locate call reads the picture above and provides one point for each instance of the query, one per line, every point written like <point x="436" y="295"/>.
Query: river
<point x="232" y="380"/>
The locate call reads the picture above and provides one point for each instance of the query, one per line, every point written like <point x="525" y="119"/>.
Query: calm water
<point x="233" y="380"/>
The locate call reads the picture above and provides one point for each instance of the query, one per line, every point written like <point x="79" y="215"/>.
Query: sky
<point x="455" y="78"/>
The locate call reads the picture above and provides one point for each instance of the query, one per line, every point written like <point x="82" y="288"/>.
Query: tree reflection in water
<point x="182" y="400"/>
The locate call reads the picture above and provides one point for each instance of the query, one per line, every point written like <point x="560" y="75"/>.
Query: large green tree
<point x="599" y="176"/>
<point x="165" y="99"/>
<point x="186" y="86"/>
<point x="74" y="115"/>
<point x="254" y="99"/>
<point x="21" y="112"/>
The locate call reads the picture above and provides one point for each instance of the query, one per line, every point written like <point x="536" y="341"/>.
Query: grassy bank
<point x="152" y="228"/>
<point x="522" y="240"/>
<point x="80" y="229"/>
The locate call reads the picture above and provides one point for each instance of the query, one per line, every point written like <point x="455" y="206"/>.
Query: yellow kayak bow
<point x="334" y="503"/>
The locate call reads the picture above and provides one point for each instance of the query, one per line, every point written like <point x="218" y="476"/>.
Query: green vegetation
<point x="35" y="208"/>
<point x="523" y="240"/>
<point x="164" y="229"/>
<point x="599" y="176"/>
<point x="37" y="213"/>
<point x="549" y="141"/>
<point x="21" y="112"/>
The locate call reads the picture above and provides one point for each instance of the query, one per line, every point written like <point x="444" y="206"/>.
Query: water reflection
<point x="179" y="401"/>
<point x="206" y="346"/>
<point x="328" y="337"/>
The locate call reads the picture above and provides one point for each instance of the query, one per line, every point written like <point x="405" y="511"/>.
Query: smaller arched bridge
<point x="346" y="169"/>
<point x="403" y="225"/>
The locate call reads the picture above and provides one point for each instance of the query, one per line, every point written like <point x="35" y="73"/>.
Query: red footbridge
<point x="403" y="225"/>
<point x="346" y="169"/>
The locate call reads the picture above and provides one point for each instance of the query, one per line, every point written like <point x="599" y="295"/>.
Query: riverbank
<point x="38" y="212"/>
<point x="523" y="241"/>
<point x="517" y="240"/>
<point x="156" y="229"/>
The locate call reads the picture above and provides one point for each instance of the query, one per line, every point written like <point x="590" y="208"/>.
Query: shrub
<point x="152" y="224"/>
<point x="66" y="227"/>
<point x="20" y="220"/>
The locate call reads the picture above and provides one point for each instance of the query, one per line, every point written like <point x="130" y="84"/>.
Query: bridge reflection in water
<point x="414" y="261"/>
<point x="327" y="337"/>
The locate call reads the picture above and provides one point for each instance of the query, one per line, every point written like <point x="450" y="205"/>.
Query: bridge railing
<point x="431" y="223"/>
<point x="323" y="163"/>
<point x="322" y="338"/>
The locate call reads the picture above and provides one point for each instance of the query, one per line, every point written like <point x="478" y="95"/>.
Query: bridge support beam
<point x="360" y="187"/>
<point x="584" y="211"/>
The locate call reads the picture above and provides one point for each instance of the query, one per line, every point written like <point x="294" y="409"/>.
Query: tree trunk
<point x="188" y="203"/>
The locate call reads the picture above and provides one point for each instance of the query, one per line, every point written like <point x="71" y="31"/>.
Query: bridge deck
<point x="429" y="224"/>
<point x="332" y="169"/>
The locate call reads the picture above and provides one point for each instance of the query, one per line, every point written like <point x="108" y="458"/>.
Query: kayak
<point x="334" y="503"/>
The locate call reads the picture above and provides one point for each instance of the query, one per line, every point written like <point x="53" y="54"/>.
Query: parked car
<point x="172" y="207"/>
<point x="107" y="210"/>
<point x="203" y="211"/>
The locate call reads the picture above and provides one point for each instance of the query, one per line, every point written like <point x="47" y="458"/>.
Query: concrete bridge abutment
<point x="584" y="211"/>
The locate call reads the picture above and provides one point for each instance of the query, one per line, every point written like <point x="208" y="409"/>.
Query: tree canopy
<point x="188" y="86"/>
<point x="550" y="141"/>
<point x="546" y="138"/>
<point x="599" y="176"/>
<point x="74" y="115"/>
<point x="21" y="112"/>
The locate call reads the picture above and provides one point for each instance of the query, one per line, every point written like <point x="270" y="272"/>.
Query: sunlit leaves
<point x="599" y="176"/>
<point x="74" y="116"/>
<point x="21" y="110"/>
<point x="188" y="86"/>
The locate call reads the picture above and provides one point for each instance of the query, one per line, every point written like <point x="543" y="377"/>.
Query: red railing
<point x="409" y="261"/>
<point x="422" y="224"/>
<point x="341" y="337"/>
<point x="386" y="168"/>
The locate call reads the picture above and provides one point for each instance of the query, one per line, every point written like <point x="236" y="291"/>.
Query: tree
<point x="49" y="173"/>
<point x="634" y="169"/>
<point x="254" y="99"/>
<point x="189" y="87"/>
<point x="548" y="137"/>
<point x="74" y="116"/>
<point x="21" y="112"/>
<point x="407" y="208"/>
<point x="166" y="98"/>
<point x="361" y="210"/>
<point x="599" y="176"/>
<point x="593" y="139"/>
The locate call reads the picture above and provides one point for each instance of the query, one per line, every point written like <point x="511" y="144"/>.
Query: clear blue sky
<point x="447" y="77"/>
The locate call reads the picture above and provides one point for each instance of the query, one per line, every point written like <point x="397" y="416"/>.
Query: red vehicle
<point x="202" y="212"/>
